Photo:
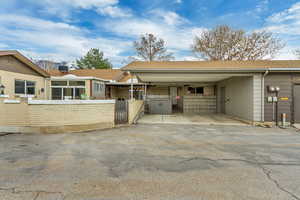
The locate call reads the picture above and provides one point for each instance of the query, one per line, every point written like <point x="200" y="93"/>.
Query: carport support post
<point x="131" y="88"/>
<point x="145" y="91"/>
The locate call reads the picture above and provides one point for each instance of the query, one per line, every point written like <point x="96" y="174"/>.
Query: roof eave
<point x="197" y="70"/>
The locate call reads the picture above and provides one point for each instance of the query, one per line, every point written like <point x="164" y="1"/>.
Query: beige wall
<point x="134" y="109"/>
<point x="239" y="95"/>
<point x="158" y="90"/>
<point x="56" y="118"/>
<point x="120" y="92"/>
<point x="8" y="80"/>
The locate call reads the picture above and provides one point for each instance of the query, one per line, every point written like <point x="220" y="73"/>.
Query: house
<point x="20" y="77"/>
<point x="256" y="91"/>
<point x="95" y="84"/>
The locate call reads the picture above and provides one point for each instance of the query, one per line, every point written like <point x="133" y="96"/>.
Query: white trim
<point x="71" y="77"/>
<point x="10" y="101"/>
<point x="4" y="96"/>
<point x="68" y="102"/>
<point x="83" y="87"/>
<point x="25" y="95"/>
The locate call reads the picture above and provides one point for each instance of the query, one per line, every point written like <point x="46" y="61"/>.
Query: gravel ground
<point x="167" y="162"/>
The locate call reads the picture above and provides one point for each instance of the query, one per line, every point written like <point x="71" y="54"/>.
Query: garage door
<point x="297" y="103"/>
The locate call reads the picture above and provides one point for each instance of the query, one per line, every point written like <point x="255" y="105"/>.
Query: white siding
<point x="257" y="98"/>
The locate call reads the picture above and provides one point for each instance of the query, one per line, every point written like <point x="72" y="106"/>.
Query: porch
<point x="194" y="119"/>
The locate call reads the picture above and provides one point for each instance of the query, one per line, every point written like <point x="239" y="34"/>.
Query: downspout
<point x="263" y="95"/>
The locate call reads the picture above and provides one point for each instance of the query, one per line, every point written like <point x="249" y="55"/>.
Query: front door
<point x="297" y="103"/>
<point x="223" y="100"/>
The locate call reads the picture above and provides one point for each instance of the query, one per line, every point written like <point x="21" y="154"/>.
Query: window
<point x="30" y="87"/>
<point x="19" y="87"/>
<point x="24" y="87"/>
<point x="59" y="83"/>
<point x="98" y="87"/>
<point x="195" y="90"/>
<point x="76" y="83"/>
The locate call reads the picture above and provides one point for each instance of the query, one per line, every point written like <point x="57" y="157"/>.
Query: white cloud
<point x="285" y="22"/>
<point x="169" y="17"/>
<point x="178" y="37"/>
<point x="293" y="13"/>
<point x="178" y="1"/>
<point x="114" y="11"/>
<point x="64" y="8"/>
<point x="60" y="41"/>
<point x="285" y="25"/>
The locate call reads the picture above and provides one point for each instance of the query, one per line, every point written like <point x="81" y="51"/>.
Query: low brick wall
<point x="56" y="116"/>
<point x="134" y="109"/>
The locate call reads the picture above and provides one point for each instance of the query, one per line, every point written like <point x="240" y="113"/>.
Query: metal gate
<point x="121" y="112"/>
<point x="297" y="103"/>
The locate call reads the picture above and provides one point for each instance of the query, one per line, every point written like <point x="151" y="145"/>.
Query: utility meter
<point x="275" y="99"/>
<point x="270" y="99"/>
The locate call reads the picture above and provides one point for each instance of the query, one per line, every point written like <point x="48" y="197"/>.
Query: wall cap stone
<point x="68" y="102"/>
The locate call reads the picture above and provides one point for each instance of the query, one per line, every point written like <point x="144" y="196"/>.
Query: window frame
<point x="194" y="90"/>
<point x="26" y="87"/>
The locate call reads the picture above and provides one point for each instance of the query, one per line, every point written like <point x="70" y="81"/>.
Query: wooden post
<point x="131" y="88"/>
<point x="145" y="94"/>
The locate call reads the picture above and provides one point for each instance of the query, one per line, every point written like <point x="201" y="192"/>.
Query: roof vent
<point x="63" y="68"/>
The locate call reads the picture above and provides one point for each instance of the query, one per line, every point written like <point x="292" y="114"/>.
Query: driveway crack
<point x="268" y="172"/>
<point x="38" y="192"/>
<point x="261" y="165"/>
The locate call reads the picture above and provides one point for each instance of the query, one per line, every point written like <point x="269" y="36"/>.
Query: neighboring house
<point x="95" y="84"/>
<point x="20" y="77"/>
<point x="245" y="89"/>
<point x="47" y="64"/>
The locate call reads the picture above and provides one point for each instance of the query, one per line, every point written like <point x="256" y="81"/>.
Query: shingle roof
<point x="211" y="65"/>
<point x="107" y="74"/>
<point x="24" y="60"/>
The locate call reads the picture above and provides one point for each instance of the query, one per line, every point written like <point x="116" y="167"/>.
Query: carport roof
<point x="260" y="65"/>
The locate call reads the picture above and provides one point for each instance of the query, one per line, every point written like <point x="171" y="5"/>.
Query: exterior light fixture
<point x="271" y="89"/>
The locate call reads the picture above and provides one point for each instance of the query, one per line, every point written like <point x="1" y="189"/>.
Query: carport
<point x="205" y="93"/>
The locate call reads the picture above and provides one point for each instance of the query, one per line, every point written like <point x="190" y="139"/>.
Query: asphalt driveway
<point x="167" y="162"/>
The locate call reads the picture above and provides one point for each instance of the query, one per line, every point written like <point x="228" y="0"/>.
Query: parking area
<point x="167" y="162"/>
<point x="191" y="119"/>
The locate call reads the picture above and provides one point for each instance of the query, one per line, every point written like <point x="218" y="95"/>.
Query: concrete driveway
<point x="191" y="119"/>
<point x="167" y="162"/>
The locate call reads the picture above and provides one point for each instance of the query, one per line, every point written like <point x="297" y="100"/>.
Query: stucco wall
<point x="56" y="118"/>
<point x="239" y="95"/>
<point x="8" y="80"/>
<point x="134" y="108"/>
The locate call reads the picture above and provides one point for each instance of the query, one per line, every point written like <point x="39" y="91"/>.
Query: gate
<point x="121" y="112"/>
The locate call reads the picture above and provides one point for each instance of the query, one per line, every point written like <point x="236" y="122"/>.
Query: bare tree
<point x="297" y="53"/>
<point x="225" y="43"/>
<point x="151" y="48"/>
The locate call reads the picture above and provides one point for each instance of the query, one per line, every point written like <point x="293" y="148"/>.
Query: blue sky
<point x="63" y="30"/>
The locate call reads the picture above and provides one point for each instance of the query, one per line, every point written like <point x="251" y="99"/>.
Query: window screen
<point x="19" y="87"/>
<point x="30" y="87"/>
